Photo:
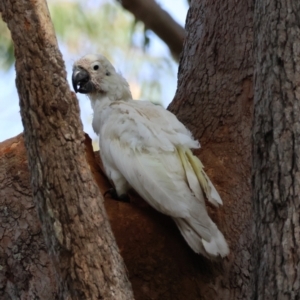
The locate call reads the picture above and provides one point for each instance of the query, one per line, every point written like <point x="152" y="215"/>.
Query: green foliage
<point x="81" y="25"/>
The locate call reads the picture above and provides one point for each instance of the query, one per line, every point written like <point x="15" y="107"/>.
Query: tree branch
<point x="159" y="21"/>
<point x="74" y="220"/>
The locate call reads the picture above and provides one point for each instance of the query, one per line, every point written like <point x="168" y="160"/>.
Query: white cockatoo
<point x="145" y="147"/>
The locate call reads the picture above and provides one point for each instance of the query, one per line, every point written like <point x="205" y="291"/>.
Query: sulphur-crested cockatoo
<point x="145" y="147"/>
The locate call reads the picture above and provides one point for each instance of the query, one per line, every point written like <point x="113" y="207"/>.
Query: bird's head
<point x="94" y="75"/>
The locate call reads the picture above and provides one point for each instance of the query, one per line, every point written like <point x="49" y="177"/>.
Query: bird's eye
<point x="96" y="67"/>
<point x="107" y="73"/>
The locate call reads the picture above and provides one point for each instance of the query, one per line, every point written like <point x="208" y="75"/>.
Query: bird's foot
<point x="113" y="194"/>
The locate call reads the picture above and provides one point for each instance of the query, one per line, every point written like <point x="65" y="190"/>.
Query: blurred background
<point x="104" y="26"/>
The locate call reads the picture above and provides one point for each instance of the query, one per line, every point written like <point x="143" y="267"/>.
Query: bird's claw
<point x="113" y="194"/>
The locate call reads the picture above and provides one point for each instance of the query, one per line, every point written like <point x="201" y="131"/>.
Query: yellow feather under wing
<point x="199" y="183"/>
<point x="190" y="161"/>
<point x="192" y="179"/>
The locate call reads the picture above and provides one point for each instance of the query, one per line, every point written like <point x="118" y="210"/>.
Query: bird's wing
<point x="157" y="162"/>
<point x="151" y="125"/>
<point x="159" y="178"/>
<point x="144" y="126"/>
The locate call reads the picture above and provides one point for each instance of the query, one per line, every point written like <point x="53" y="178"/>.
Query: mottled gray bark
<point x="70" y="206"/>
<point x="276" y="148"/>
<point x="214" y="99"/>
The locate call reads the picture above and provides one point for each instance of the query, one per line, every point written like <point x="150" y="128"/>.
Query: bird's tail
<point x="193" y="228"/>
<point x="192" y="233"/>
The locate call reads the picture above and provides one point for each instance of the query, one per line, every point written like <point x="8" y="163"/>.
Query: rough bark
<point x="26" y="270"/>
<point x="159" y="21"/>
<point x="74" y="222"/>
<point x="214" y="99"/>
<point x="276" y="147"/>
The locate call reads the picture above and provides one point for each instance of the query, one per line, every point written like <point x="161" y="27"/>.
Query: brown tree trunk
<point x="276" y="148"/>
<point x="214" y="99"/>
<point x="74" y="221"/>
<point x="26" y="270"/>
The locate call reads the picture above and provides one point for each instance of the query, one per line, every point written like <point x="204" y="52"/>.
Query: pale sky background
<point x="10" y="120"/>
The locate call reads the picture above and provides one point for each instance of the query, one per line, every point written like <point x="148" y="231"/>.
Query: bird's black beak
<point x="81" y="81"/>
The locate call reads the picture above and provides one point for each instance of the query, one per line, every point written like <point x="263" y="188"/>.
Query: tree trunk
<point x="276" y="147"/>
<point x="214" y="99"/>
<point x="26" y="270"/>
<point x="74" y="221"/>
